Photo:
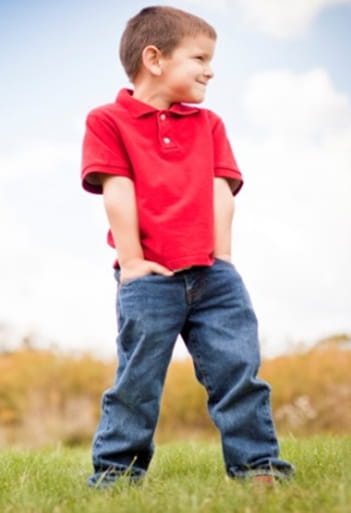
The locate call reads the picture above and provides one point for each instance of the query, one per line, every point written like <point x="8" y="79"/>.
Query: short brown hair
<point x="161" y="26"/>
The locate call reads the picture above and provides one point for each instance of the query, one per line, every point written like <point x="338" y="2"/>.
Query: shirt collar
<point x="139" y="109"/>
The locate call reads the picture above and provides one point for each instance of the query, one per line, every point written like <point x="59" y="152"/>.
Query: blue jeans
<point x="211" y="309"/>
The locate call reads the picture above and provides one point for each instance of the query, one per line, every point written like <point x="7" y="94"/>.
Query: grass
<point x="183" y="478"/>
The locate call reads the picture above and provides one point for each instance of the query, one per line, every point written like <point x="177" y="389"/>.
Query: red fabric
<point x="172" y="156"/>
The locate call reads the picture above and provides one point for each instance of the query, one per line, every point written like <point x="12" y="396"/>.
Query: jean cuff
<point x="104" y="478"/>
<point x="279" y="475"/>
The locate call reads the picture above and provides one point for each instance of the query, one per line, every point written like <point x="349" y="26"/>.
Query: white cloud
<point x="280" y="19"/>
<point x="293" y="228"/>
<point x="283" y="19"/>
<point x="37" y="158"/>
<point x="291" y="103"/>
<point x="52" y="292"/>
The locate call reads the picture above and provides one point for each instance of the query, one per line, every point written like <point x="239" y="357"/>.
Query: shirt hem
<point x="179" y="265"/>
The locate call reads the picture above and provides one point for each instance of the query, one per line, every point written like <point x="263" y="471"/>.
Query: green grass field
<point x="184" y="477"/>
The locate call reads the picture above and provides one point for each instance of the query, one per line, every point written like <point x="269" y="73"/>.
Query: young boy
<point x="168" y="177"/>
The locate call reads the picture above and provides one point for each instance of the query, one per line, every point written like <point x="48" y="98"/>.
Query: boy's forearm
<point x="223" y="218"/>
<point x="121" y="210"/>
<point x="122" y="213"/>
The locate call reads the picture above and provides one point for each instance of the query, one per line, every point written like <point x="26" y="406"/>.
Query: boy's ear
<point x="151" y="59"/>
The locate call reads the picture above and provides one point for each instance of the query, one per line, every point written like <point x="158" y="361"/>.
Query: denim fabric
<point x="211" y="309"/>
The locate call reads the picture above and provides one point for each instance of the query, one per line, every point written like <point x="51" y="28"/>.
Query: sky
<point x="282" y="86"/>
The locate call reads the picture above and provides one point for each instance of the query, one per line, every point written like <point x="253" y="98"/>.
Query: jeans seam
<point x="105" y="409"/>
<point x="200" y="367"/>
<point x="269" y="416"/>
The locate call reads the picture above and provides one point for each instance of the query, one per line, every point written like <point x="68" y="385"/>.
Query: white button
<point x="162" y="117"/>
<point x="166" y="140"/>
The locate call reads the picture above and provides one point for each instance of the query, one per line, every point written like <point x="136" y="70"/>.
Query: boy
<point x="168" y="177"/>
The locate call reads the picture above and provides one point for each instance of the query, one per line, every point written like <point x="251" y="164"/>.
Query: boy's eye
<point x="199" y="57"/>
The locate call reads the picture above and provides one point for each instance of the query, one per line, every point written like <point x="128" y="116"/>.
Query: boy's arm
<point x="223" y="217"/>
<point x="121" y="210"/>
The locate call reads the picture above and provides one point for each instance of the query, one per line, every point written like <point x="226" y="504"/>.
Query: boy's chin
<point x="195" y="99"/>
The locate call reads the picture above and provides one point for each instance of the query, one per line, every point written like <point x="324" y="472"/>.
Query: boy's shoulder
<point x="212" y="116"/>
<point x="104" y="110"/>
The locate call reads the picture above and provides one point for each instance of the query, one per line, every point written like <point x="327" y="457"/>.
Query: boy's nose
<point x="209" y="73"/>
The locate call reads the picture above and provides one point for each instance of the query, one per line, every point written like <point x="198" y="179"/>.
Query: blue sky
<point x="283" y="87"/>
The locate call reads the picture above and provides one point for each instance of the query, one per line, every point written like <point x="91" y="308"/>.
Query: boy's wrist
<point x="131" y="262"/>
<point x="131" y="268"/>
<point x="224" y="256"/>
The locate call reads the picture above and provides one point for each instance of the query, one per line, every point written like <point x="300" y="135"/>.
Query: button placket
<point x="164" y="131"/>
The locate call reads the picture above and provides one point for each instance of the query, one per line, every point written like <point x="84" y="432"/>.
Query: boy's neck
<point x="150" y="96"/>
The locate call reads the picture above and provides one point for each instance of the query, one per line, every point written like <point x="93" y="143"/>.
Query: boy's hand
<point x="139" y="267"/>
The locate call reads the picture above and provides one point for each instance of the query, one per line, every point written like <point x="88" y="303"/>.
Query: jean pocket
<point x="131" y="281"/>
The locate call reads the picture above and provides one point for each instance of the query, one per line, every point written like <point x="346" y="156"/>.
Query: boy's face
<point x="186" y="72"/>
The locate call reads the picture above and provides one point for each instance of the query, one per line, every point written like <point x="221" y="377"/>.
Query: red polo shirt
<point x="172" y="156"/>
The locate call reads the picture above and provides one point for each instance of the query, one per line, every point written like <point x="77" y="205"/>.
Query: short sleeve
<point x="103" y="151"/>
<point x="225" y="164"/>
